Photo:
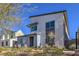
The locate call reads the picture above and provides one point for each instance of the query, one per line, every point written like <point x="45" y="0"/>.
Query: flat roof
<point x="48" y="13"/>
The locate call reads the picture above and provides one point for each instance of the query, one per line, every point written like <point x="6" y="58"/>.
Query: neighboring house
<point x="7" y="38"/>
<point x="19" y="33"/>
<point x="21" y="38"/>
<point x="10" y="38"/>
<point x="49" y="29"/>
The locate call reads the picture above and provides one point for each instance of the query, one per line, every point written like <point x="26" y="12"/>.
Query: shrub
<point x="9" y="54"/>
<point x="72" y="46"/>
<point x="50" y="51"/>
<point x="53" y="51"/>
<point x="24" y="51"/>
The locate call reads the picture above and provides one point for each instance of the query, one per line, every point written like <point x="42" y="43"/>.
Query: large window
<point x="50" y="32"/>
<point x="34" y="28"/>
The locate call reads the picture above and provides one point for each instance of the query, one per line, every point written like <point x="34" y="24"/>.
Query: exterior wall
<point x="10" y="42"/>
<point x="35" y="40"/>
<point x="4" y="45"/>
<point x="59" y="31"/>
<point x="38" y="40"/>
<point x="9" y="37"/>
<point x="26" y="40"/>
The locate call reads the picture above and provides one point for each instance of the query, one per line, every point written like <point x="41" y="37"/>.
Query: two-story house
<point x="48" y="29"/>
<point x="7" y="38"/>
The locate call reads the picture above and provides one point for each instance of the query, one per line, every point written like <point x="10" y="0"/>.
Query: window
<point x="50" y="25"/>
<point x="34" y="28"/>
<point x="6" y="43"/>
<point x="2" y="43"/>
<point x="50" y="28"/>
<point x="47" y="25"/>
<point x="11" y="36"/>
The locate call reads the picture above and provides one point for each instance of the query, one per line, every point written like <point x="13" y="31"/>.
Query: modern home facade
<point x="50" y="29"/>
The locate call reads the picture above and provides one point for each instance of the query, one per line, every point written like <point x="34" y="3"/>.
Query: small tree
<point x="10" y="14"/>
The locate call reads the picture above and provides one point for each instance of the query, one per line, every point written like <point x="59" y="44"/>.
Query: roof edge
<point x="66" y="23"/>
<point x="48" y="13"/>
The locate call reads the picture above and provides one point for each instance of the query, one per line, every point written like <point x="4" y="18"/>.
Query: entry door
<point x="31" y="41"/>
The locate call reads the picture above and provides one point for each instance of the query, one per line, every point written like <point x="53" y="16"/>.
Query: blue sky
<point x="41" y="8"/>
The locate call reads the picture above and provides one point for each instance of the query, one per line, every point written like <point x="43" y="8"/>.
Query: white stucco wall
<point x="11" y="41"/>
<point x="38" y="40"/>
<point x="59" y="33"/>
<point x="25" y="41"/>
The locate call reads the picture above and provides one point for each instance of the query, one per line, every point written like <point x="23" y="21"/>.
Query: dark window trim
<point x="34" y="28"/>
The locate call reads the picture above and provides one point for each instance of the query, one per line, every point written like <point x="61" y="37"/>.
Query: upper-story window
<point x="12" y="36"/>
<point x="34" y="28"/>
<point x="50" y="25"/>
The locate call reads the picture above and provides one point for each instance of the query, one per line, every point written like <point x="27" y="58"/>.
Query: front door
<point x="31" y="41"/>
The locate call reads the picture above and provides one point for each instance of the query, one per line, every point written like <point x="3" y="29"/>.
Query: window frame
<point x="34" y="28"/>
<point x="50" y="28"/>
